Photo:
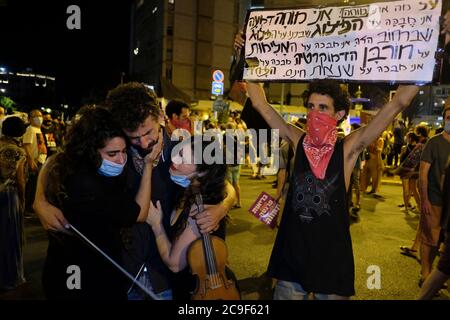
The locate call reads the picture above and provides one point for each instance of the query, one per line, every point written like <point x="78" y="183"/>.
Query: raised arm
<point x="287" y="131"/>
<point x="356" y="141"/>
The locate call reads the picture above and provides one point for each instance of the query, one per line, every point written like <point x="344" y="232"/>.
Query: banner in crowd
<point x="266" y="209"/>
<point x="385" y="41"/>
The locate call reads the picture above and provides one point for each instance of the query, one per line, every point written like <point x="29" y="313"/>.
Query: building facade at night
<point x="28" y="89"/>
<point x="183" y="42"/>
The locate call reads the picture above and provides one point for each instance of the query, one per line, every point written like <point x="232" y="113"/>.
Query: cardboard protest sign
<point x="266" y="209"/>
<point x="385" y="41"/>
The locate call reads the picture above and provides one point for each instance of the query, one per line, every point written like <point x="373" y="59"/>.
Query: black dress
<point x="98" y="207"/>
<point x="313" y="245"/>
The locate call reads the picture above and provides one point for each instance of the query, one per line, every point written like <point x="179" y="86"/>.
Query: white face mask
<point x="38" y="121"/>
<point x="447" y="127"/>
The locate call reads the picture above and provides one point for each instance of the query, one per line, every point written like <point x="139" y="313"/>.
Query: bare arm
<point x="288" y="132"/>
<point x="356" y="141"/>
<point x="145" y="189"/>
<point x="144" y="193"/>
<point x="423" y="187"/>
<point x="174" y="254"/>
<point x="29" y="154"/>
<point x="359" y="139"/>
<point x="51" y="217"/>
<point x="281" y="179"/>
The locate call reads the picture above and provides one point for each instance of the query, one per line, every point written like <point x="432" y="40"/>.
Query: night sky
<point x="85" y="62"/>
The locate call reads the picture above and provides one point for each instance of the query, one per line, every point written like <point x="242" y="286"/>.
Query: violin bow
<point x="114" y="263"/>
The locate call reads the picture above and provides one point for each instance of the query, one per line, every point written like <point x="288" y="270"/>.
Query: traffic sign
<point x="217" y="88"/>
<point x="218" y="76"/>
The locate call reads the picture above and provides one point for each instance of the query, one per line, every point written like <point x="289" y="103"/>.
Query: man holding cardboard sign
<point x="313" y="250"/>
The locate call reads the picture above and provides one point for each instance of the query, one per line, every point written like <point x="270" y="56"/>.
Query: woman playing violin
<point x="209" y="181"/>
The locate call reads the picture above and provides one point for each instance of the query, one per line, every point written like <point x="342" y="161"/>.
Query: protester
<point x="135" y="108"/>
<point x="209" y="180"/>
<point x="441" y="274"/>
<point x="34" y="144"/>
<point x="432" y="166"/>
<point x="178" y="113"/>
<point x="12" y="202"/>
<point x="86" y="182"/>
<point x="313" y="250"/>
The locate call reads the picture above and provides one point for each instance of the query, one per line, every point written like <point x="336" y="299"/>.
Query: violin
<point x="207" y="257"/>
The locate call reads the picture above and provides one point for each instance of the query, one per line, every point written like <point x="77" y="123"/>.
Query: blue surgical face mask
<point x="111" y="169"/>
<point x="181" y="180"/>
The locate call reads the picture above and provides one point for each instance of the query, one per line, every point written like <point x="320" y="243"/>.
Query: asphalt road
<point x="381" y="229"/>
<point x="377" y="236"/>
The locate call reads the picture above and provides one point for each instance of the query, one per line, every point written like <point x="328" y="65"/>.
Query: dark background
<point x="86" y="62"/>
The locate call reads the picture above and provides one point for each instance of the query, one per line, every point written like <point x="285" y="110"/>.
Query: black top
<point x="313" y="245"/>
<point x="98" y="207"/>
<point x="141" y="246"/>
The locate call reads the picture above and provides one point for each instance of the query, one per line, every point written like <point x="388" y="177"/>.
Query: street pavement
<point x="381" y="229"/>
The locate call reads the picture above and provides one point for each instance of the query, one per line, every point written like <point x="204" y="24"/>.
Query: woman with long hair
<point x="196" y="176"/>
<point x="87" y="182"/>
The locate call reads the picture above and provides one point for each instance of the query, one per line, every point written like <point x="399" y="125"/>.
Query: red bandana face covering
<point x="319" y="141"/>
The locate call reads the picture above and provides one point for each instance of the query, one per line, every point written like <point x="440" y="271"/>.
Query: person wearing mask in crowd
<point x="320" y="165"/>
<point x="432" y="166"/>
<point x="194" y="176"/>
<point x="136" y="109"/>
<point x="86" y="181"/>
<point x="409" y="177"/>
<point x="313" y="249"/>
<point x="12" y="189"/>
<point x="399" y="140"/>
<point x="409" y="168"/>
<point x="48" y="131"/>
<point x="441" y="274"/>
<point x="34" y="144"/>
<point x="178" y="113"/>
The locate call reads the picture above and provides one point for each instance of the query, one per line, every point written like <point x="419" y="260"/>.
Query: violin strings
<point x="209" y="253"/>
